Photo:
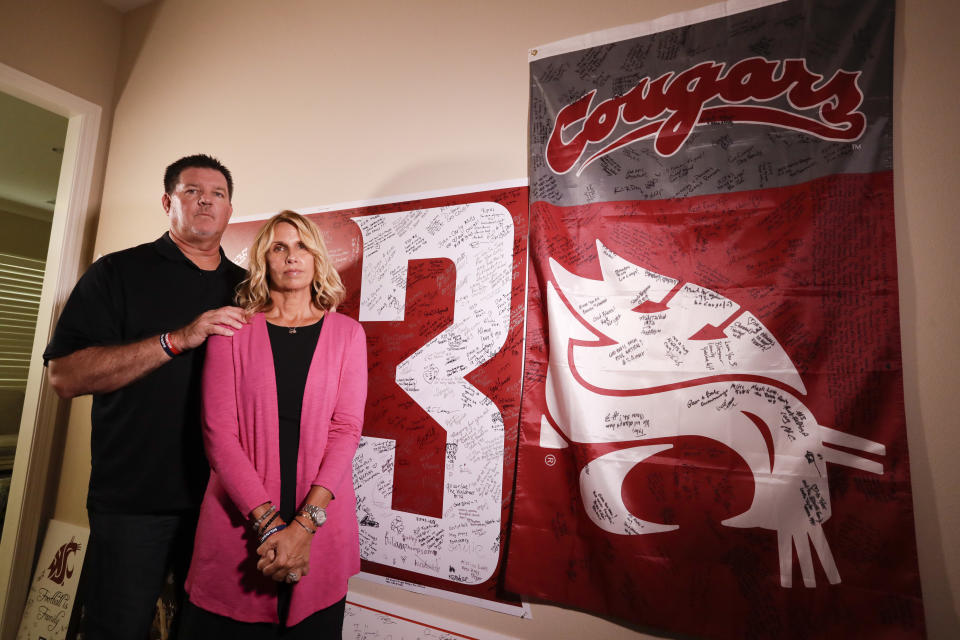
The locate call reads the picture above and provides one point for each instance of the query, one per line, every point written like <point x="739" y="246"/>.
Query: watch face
<point x="317" y="514"/>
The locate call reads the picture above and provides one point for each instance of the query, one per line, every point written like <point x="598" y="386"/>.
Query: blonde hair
<point x="327" y="291"/>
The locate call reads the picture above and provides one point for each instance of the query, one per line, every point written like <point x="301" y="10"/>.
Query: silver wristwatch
<point x="316" y="513"/>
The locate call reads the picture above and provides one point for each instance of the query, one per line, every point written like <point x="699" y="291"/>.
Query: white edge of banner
<point x="404" y="197"/>
<point x="417" y="617"/>
<point x="521" y="611"/>
<point x="625" y="32"/>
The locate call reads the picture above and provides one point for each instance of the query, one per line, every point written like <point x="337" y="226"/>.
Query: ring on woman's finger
<point x="293" y="576"/>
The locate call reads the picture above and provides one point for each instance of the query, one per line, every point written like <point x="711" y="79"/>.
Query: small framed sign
<point x="54" y="587"/>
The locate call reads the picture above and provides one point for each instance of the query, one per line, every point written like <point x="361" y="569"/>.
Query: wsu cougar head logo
<point x="636" y="356"/>
<point x="61" y="568"/>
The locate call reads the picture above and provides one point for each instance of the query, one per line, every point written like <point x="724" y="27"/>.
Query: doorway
<point x="31" y="151"/>
<point x="25" y="518"/>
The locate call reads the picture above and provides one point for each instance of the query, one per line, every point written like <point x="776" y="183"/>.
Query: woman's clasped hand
<point x="285" y="554"/>
<point x="284" y="549"/>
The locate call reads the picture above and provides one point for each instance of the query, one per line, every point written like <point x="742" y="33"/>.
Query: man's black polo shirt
<point x="147" y="448"/>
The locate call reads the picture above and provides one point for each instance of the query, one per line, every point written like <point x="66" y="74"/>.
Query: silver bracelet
<point x="259" y="521"/>
<point x="309" y="530"/>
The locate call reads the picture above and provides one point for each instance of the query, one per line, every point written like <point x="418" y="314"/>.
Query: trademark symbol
<point x="550" y="460"/>
<point x="857" y="146"/>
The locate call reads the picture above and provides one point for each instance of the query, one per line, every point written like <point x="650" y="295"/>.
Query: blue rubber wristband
<point x="279" y="527"/>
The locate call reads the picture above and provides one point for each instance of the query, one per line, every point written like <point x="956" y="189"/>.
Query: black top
<point x="292" y="354"/>
<point x="147" y="449"/>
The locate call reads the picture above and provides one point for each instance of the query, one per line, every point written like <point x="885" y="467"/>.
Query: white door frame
<point x="40" y="406"/>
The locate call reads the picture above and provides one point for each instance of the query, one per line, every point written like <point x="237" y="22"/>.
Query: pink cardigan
<point x="242" y="443"/>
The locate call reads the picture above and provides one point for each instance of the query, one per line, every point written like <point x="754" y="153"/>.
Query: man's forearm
<point x="105" y="369"/>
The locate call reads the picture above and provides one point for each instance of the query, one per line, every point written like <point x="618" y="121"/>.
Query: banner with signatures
<point x="712" y="435"/>
<point x="438" y="284"/>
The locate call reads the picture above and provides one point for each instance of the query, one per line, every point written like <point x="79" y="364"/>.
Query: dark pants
<point x="326" y="624"/>
<point x="127" y="561"/>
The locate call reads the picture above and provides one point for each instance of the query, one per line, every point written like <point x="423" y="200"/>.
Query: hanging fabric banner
<point x="437" y="281"/>
<point x="712" y="429"/>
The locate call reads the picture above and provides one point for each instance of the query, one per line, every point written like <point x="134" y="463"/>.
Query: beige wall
<point x="312" y="103"/>
<point x="73" y="45"/>
<point x="926" y="165"/>
<point x="24" y="235"/>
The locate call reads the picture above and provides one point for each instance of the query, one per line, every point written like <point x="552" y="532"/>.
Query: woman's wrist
<point x="314" y="514"/>
<point x="272" y="530"/>
<point x="299" y="519"/>
<point x="263" y="517"/>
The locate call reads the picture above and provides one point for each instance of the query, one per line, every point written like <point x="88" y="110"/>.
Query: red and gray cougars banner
<point x="712" y="429"/>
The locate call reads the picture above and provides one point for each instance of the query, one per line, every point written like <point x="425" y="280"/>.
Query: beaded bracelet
<point x="279" y="527"/>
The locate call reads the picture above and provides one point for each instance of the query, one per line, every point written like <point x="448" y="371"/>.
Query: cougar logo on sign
<point x="60" y="567"/>
<point x="639" y="356"/>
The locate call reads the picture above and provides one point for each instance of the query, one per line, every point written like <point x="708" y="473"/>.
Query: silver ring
<point x="293" y="576"/>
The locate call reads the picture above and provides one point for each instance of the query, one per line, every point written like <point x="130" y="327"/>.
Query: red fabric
<point x="240" y="433"/>
<point x="827" y="291"/>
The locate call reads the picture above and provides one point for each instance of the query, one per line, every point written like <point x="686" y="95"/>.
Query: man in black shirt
<point x="131" y="334"/>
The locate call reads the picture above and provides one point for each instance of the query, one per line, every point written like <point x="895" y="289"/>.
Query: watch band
<point x="316" y="513"/>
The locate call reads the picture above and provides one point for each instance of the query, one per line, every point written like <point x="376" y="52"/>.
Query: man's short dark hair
<point x="199" y="161"/>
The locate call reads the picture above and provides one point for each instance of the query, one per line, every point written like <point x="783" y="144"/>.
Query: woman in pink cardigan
<point x="283" y="401"/>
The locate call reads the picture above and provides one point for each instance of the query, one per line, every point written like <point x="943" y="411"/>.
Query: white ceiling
<point x="126" y="5"/>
